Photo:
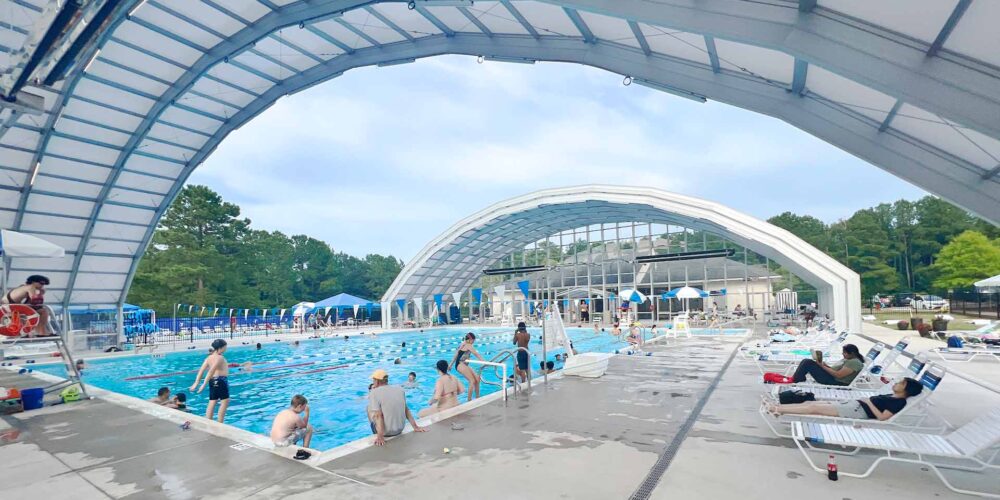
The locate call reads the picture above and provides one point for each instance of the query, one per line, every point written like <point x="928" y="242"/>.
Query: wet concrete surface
<point x="574" y="438"/>
<point x="96" y="449"/>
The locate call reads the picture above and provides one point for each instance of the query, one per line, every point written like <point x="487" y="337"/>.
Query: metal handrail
<point x="502" y="357"/>
<point x="502" y="366"/>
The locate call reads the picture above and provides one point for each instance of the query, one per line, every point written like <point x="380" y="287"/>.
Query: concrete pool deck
<point x="571" y="438"/>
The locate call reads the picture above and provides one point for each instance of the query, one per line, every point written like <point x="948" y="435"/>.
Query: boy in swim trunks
<point x="521" y="339"/>
<point x="290" y="425"/>
<point x="217" y="380"/>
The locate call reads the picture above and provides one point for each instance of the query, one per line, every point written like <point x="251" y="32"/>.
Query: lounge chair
<point x="975" y="442"/>
<point x="913" y="416"/>
<point x="871" y="378"/>
<point x="967" y="353"/>
<point x="785" y="361"/>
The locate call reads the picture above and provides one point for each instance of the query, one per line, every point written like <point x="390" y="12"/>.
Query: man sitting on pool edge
<point x="387" y="410"/>
<point x="290" y="425"/>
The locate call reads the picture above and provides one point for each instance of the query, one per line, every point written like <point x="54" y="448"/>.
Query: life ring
<point x="17" y="320"/>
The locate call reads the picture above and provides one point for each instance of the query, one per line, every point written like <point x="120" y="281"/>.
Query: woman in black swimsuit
<point x="460" y="362"/>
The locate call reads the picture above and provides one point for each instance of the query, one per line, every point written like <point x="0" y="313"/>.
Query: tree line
<point x="928" y="245"/>
<point x="203" y="252"/>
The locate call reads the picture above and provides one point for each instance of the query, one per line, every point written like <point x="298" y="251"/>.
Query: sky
<point x="382" y="160"/>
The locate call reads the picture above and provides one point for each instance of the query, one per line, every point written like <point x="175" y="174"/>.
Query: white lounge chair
<point x="913" y="416"/>
<point x="786" y="361"/>
<point x="975" y="442"/>
<point x="967" y="353"/>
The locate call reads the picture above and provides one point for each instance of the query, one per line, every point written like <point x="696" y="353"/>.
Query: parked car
<point x="931" y="302"/>
<point x="902" y="299"/>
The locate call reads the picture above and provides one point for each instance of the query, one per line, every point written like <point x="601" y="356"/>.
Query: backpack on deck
<point x="954" y="341"/>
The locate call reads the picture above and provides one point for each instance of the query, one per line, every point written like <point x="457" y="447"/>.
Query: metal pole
<point x="545" y="354"/>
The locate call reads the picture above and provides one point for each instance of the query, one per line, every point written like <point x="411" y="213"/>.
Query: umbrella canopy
<point x="990" y="283"/>
<point x="15" y="244"/>
<point x="632" y="295"/>
<point x="342" y="300"/>
<point x="302" y="308"/>
<point x="686" y="292"/>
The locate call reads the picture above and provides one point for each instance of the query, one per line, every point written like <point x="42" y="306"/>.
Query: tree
<point x="311" y="263"/>
<point x="190" y="258"/>
<point x="203" y="253"/>
<point x="809" y="228"/>
<point x="381" y="271"/>
<point x="968" y="258"/>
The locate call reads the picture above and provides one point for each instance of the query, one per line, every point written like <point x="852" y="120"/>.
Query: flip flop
<point x="302" y="455"/>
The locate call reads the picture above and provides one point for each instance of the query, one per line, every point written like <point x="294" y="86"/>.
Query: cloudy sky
<point x="383" y="159"/>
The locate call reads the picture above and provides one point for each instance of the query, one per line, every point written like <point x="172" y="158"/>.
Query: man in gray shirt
<point x="387" y="410"/>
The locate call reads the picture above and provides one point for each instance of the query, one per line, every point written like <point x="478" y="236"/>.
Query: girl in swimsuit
<point x="446" y="391"/>
<point x="461" y="363"/>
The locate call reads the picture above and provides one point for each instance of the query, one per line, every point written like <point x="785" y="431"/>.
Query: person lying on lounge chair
<point x="881" y="407"/>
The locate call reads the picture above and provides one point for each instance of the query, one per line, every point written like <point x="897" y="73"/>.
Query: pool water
<point x="332" y="373"/>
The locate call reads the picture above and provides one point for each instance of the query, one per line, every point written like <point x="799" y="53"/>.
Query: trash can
<point x="32" y="399"/>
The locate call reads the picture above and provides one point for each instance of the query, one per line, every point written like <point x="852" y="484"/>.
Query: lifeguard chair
<point x="17" y="321"/>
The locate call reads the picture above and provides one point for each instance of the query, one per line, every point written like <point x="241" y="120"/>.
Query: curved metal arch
<point x="839" y="288"/>
<point x="894" y="152"/>
<point x="944" y="83"/>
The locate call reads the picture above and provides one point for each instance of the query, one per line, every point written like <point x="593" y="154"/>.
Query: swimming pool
<point x="332" y="373"/>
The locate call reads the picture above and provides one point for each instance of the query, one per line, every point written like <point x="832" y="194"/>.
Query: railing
<point x="502" y="357"/>
<point x="502" y="366"/>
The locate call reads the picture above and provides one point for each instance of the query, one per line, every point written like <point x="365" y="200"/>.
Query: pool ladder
<point x="502" y="357"/>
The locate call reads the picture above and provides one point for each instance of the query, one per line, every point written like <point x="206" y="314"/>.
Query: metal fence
<point x="972" y="302"/>
<point x="100" y="335"/>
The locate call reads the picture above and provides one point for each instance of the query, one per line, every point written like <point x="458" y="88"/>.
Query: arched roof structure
<point x="911" y="86"/>
<point x="456" y="258"/>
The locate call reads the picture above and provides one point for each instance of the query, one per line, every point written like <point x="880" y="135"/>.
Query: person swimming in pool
<point x="217" y="379"/>
<point x="461" y="363"/>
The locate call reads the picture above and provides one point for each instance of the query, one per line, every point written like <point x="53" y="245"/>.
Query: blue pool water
<point x="332" y="373"/>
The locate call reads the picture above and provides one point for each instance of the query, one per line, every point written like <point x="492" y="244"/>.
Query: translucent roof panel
<point x="158" y="91"/>
<point x="920" y="19"/>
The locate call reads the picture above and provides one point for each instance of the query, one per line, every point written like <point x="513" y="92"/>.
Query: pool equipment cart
<point x="14" y="244"/>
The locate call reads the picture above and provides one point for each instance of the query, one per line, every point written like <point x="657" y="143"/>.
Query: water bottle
<point x="831" y="469"/>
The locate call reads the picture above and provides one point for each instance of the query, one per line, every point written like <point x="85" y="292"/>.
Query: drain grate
<point x="652" y="479"/>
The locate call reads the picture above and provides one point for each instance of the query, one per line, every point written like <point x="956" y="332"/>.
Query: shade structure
<point x="303" y="308"/>
<point x="686" y="292"/>
<point x="342" y="300"/>
<point x="456" y="258"/>
<point x="989" y="284"/>
<point x="15" y="244"/>
<point x="162" y="83"/>
<point x="632" y="295"/>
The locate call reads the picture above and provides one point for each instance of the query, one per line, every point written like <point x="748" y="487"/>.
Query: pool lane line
<point x="231" y="365"/>
<point x="303" y="372"/>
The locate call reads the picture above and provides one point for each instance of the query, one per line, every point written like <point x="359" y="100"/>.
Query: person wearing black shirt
<point x="881" y="407"/>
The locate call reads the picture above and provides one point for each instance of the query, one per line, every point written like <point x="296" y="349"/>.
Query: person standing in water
<point x="522" y="339"/>
<point x="217" y="380"/>
<point x="461" y="363"/>
<point x="446" y="391"/>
